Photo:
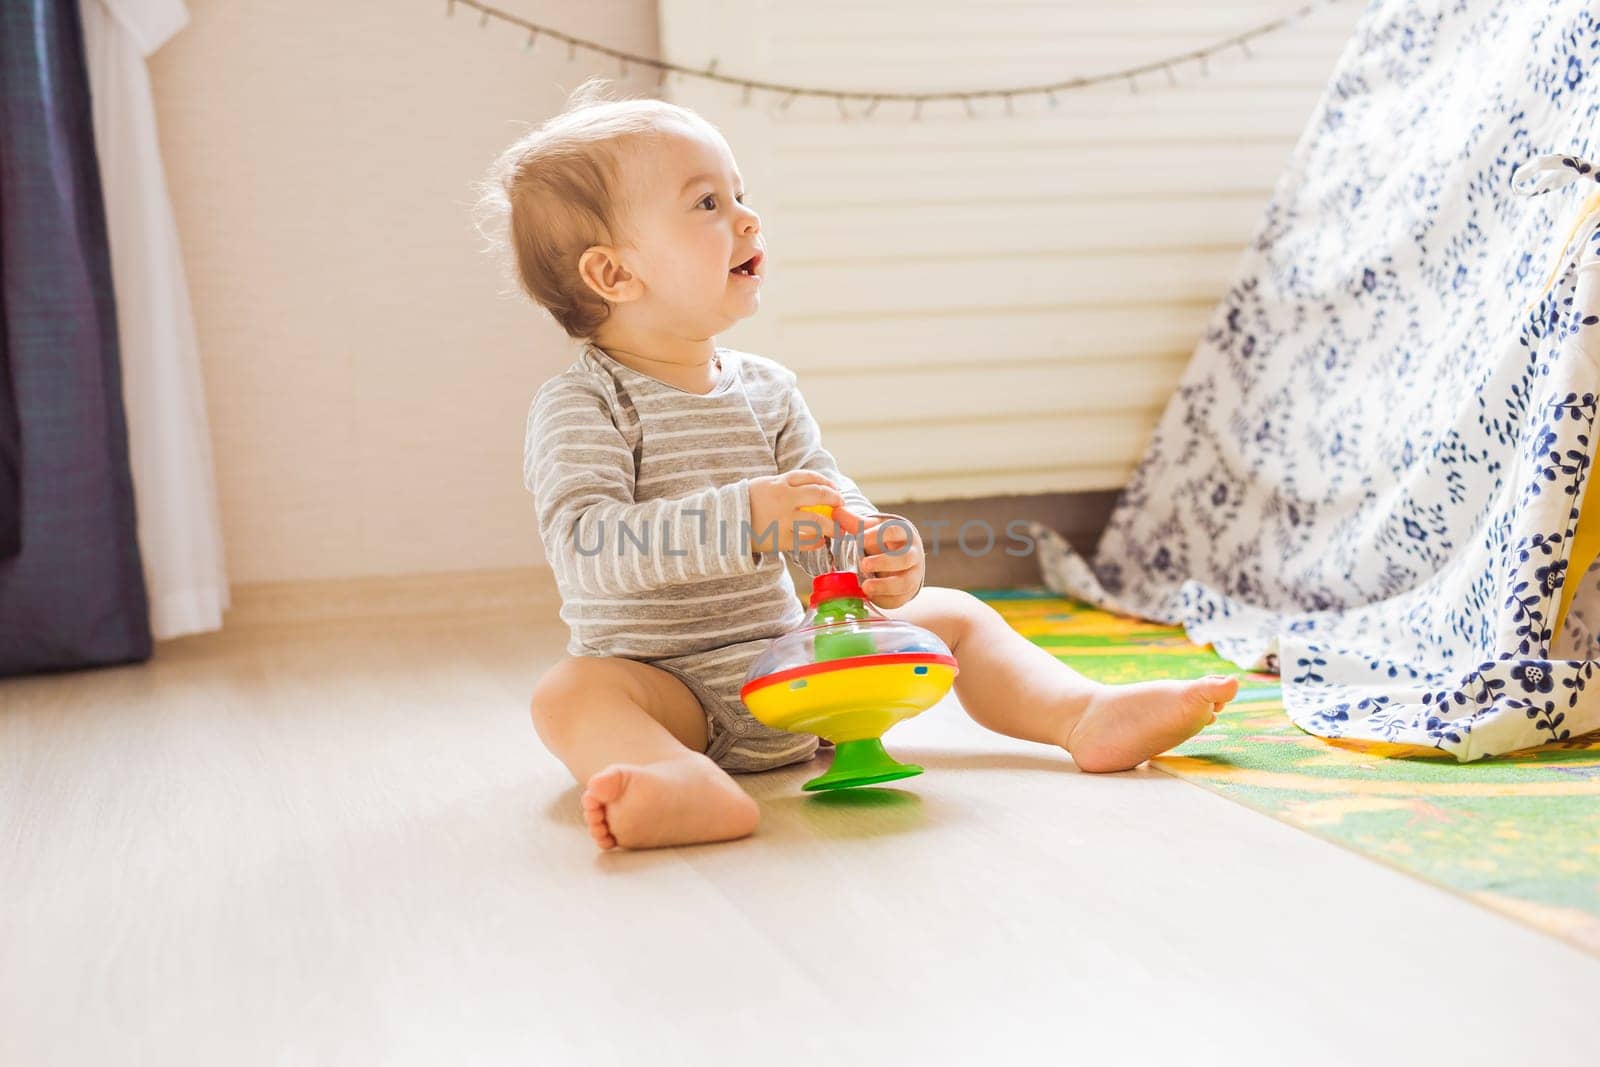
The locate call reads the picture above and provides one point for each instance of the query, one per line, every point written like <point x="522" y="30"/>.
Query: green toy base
<point x="861" y="763"/>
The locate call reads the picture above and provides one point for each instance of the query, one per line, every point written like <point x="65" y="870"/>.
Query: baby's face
<point x="692" y="242"/>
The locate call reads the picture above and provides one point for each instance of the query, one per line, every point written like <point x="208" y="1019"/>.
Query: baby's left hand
<point x="892" y="557"/>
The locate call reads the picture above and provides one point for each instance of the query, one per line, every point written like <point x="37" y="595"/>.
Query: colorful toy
<point x="849" y="674"/>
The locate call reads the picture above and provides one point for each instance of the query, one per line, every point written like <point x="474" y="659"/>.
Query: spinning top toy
<point x="848" y="675"/>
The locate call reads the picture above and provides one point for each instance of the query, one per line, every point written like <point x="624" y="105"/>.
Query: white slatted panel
<point x="1002" y="304"/>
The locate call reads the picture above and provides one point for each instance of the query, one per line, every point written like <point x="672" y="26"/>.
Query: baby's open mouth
<point x="750" y="267"/>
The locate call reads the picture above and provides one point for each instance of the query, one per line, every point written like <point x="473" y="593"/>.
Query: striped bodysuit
<point x="643" y="502"/>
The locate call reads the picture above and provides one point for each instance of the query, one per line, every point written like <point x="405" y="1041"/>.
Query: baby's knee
<point x="950" y="613"/>
<point x="561" y="691"/>
<point x="964" y="602"/>
<point x="957" y="606"/>
<point x="550" y="695"/>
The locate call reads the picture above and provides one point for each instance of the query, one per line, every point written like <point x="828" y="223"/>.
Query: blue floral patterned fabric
<point x="1371" y="473"/>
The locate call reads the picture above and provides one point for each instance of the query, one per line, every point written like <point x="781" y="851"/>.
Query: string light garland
<point x="787" y="94"/>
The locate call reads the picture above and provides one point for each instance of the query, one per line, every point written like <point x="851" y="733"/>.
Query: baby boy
<point x="670" y="474"/>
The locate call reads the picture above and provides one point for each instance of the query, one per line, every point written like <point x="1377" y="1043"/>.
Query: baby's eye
<point x="709" y="202"/>
<point x="740" y="198"/>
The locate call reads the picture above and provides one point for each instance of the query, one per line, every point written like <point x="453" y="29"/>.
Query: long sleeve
<point x="580" y="469"/>
<point x="799" y="447"/>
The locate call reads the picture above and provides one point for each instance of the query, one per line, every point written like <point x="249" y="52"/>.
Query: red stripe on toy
<point x="849" y="661"/>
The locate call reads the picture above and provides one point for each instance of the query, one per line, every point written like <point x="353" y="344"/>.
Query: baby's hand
<point x="891" y="552"/>
<point x="777" y="523"/>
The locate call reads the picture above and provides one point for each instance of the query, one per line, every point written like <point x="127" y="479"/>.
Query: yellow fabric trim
<point x="1590" y="206"/>
<point x="1586" y="536"/>
<point x="1585" y="549"/>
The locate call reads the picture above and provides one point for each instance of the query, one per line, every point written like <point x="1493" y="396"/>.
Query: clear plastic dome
<point x="848" y="679"/>
<point x="849" y="675"/>
<point x="875" y="635"/>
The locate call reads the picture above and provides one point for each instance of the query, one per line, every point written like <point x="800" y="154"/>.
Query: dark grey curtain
<point x="71" y="584"/>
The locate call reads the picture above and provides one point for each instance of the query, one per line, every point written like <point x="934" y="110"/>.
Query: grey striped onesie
<point x="643" y="501"/>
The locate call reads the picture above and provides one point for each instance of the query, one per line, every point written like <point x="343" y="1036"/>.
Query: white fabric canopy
<point x="1372" y="473"/>
<point x="169" y="443"/>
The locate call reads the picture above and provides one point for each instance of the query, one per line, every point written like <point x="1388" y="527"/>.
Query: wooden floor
<point x="342" y="843"/>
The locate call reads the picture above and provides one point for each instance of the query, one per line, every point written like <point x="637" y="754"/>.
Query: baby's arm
<point x="580" y="470"/>
<point x="800" y="448"/>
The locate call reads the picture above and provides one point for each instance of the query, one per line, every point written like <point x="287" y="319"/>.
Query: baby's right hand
<point x="776" y="516"/>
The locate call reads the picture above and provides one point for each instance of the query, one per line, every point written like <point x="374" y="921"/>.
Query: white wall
<point x="367" y="386"/>
<point x="975" y="307"/>
<point x="999" y="305"/>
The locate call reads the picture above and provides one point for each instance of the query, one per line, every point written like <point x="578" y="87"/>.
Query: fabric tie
<point x="1544" y="173"/>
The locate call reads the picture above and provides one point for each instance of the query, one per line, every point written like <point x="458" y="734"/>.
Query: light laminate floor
<point x="343" y="844"/>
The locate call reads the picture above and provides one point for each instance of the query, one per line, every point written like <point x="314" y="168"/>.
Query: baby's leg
<point x="634" y="736"/>
<point x="1016" y="688"/>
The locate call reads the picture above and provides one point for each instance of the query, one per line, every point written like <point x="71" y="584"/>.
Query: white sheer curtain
<point x="169" y="442"/>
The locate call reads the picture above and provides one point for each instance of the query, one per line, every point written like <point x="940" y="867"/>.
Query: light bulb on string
<point x="843" y="97"/>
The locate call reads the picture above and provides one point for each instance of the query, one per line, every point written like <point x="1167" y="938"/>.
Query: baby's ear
<point x="602" y="270"/>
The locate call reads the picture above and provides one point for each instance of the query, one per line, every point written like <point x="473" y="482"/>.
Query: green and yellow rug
<point x="1519" y="833"/>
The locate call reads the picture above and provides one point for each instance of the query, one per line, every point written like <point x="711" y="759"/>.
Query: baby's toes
<point x="594" y="814"/>
<point x="1214" y="689"/>
<point x="605" y="787"/>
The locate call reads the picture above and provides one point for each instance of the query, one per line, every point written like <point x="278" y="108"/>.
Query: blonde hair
<point x="556" y="192"/>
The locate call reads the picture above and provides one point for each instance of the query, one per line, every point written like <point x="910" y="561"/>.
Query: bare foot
<point x="674" y="802"/>
<point x="1124" y="725"/>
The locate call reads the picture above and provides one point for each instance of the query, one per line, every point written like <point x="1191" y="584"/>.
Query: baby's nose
<point x="750" y="224"/>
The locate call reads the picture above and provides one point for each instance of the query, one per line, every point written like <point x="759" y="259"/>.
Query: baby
<point x="670" y="475"/>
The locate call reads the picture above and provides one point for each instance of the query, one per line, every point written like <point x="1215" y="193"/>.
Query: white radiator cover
<point x="997" y="305"/>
